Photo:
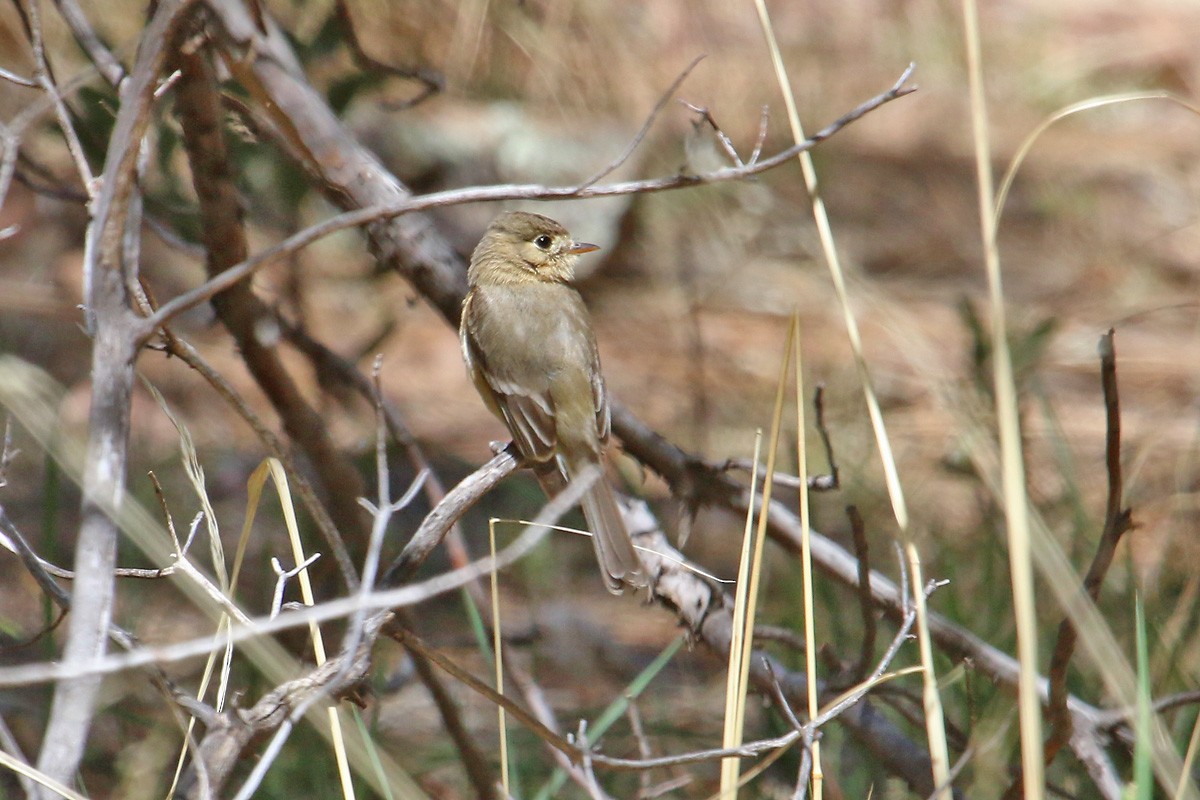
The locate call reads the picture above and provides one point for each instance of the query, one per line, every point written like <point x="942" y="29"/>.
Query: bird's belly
<point x="524" y="343"/>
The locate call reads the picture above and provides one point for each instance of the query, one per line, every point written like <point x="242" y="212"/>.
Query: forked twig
<point x="641" y="134"/>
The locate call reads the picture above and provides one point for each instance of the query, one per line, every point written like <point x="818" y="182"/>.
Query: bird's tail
<point x="619" y="562"/>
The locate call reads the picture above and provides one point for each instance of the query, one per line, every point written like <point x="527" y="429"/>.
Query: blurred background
<point x="690" y="297"/>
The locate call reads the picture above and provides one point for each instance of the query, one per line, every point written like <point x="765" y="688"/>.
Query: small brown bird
<point x="531" y="352"/>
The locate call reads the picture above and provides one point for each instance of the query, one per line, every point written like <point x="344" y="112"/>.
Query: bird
<point x="530" y="350"/>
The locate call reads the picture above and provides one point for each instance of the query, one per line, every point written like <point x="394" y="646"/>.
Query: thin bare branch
<point x="365" y="216"/>
<point x="641" y="134"/>
<point x="85" y="34"/>
<point x="13" y="77"/>
<point x="762" y="135"/>
<point x="706" y="117"/>
<point x="824" y="483"/>
<point x="437" y="524"/>
<point x="44" y="75"/>
<point x="10" y="745"/>
<point x="1114" y="717"/>
<point x="866" y="607"/>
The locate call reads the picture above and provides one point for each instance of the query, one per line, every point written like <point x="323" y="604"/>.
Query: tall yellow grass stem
<point x="1096" y="638"/>
<point x="935" y="724"/>
<point x="833" y="260"/>
<point x="810" y="634"/>
<point x="1188" y="759"/>
<point x="337" y="738"/>
<point x="42" y="779"/>
<point x="734" y="688"/>
<point x="1012" y="462"/>
<point x="496" y="649"/>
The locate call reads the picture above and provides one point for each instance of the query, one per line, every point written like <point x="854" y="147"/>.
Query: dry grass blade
<point x="806" y="565"/>
<point x="498" y="654"/>
<point x="1016" y="506"/>
<point x="33" y="398"/>
<point x="225" y="581"/>
<point x="1188" y="761"/>
<point x="337" y="737"/>
<point x="1010" y="174"/>
<point x="734" y="686"/>
<point x="39" y="777"/>
<point x="749" y="576"/>
<point x="935" y="725"/>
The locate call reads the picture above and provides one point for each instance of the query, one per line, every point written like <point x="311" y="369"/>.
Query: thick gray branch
<point x="113" y="350"/>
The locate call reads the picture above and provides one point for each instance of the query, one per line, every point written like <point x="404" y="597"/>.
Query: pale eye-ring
<point x="543" y="242"/>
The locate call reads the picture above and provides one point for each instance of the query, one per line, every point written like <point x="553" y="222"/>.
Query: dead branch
<point x="44" y="77"/>
<point x="230" y="733"/>
<point x="862" y="552"/>
<point x="438" y="522"/>
<point x="1117" y="521"/>
<point x="100" y="56"/>
<point x="244" y="315"/>
<point x="111" y="321"/>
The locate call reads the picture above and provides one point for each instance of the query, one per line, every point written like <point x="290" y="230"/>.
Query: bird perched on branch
<point x="531" y="352"/>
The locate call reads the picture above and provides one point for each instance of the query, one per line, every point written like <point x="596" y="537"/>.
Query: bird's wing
<point x="600" y="397"/>
<point x="528" y="415"/>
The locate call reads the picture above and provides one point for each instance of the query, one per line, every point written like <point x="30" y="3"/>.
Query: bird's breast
<point x="531" y="333"/>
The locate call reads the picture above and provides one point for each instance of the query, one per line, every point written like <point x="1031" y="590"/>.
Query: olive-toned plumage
<point x="529" y="347"/>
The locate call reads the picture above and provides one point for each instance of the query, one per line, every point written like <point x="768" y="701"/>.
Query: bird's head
<point x="520" y="246"/>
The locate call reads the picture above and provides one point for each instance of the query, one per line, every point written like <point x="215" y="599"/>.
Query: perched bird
<point x="531" y="352"/>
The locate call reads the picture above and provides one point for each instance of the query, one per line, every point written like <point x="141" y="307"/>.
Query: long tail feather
<point x="619" y="562"/>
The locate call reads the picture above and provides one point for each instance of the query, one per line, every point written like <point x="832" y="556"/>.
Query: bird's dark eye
<point x="543" y="242"/>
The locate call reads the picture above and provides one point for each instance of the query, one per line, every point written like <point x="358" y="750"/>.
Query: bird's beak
<point x="581" y="247"/>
